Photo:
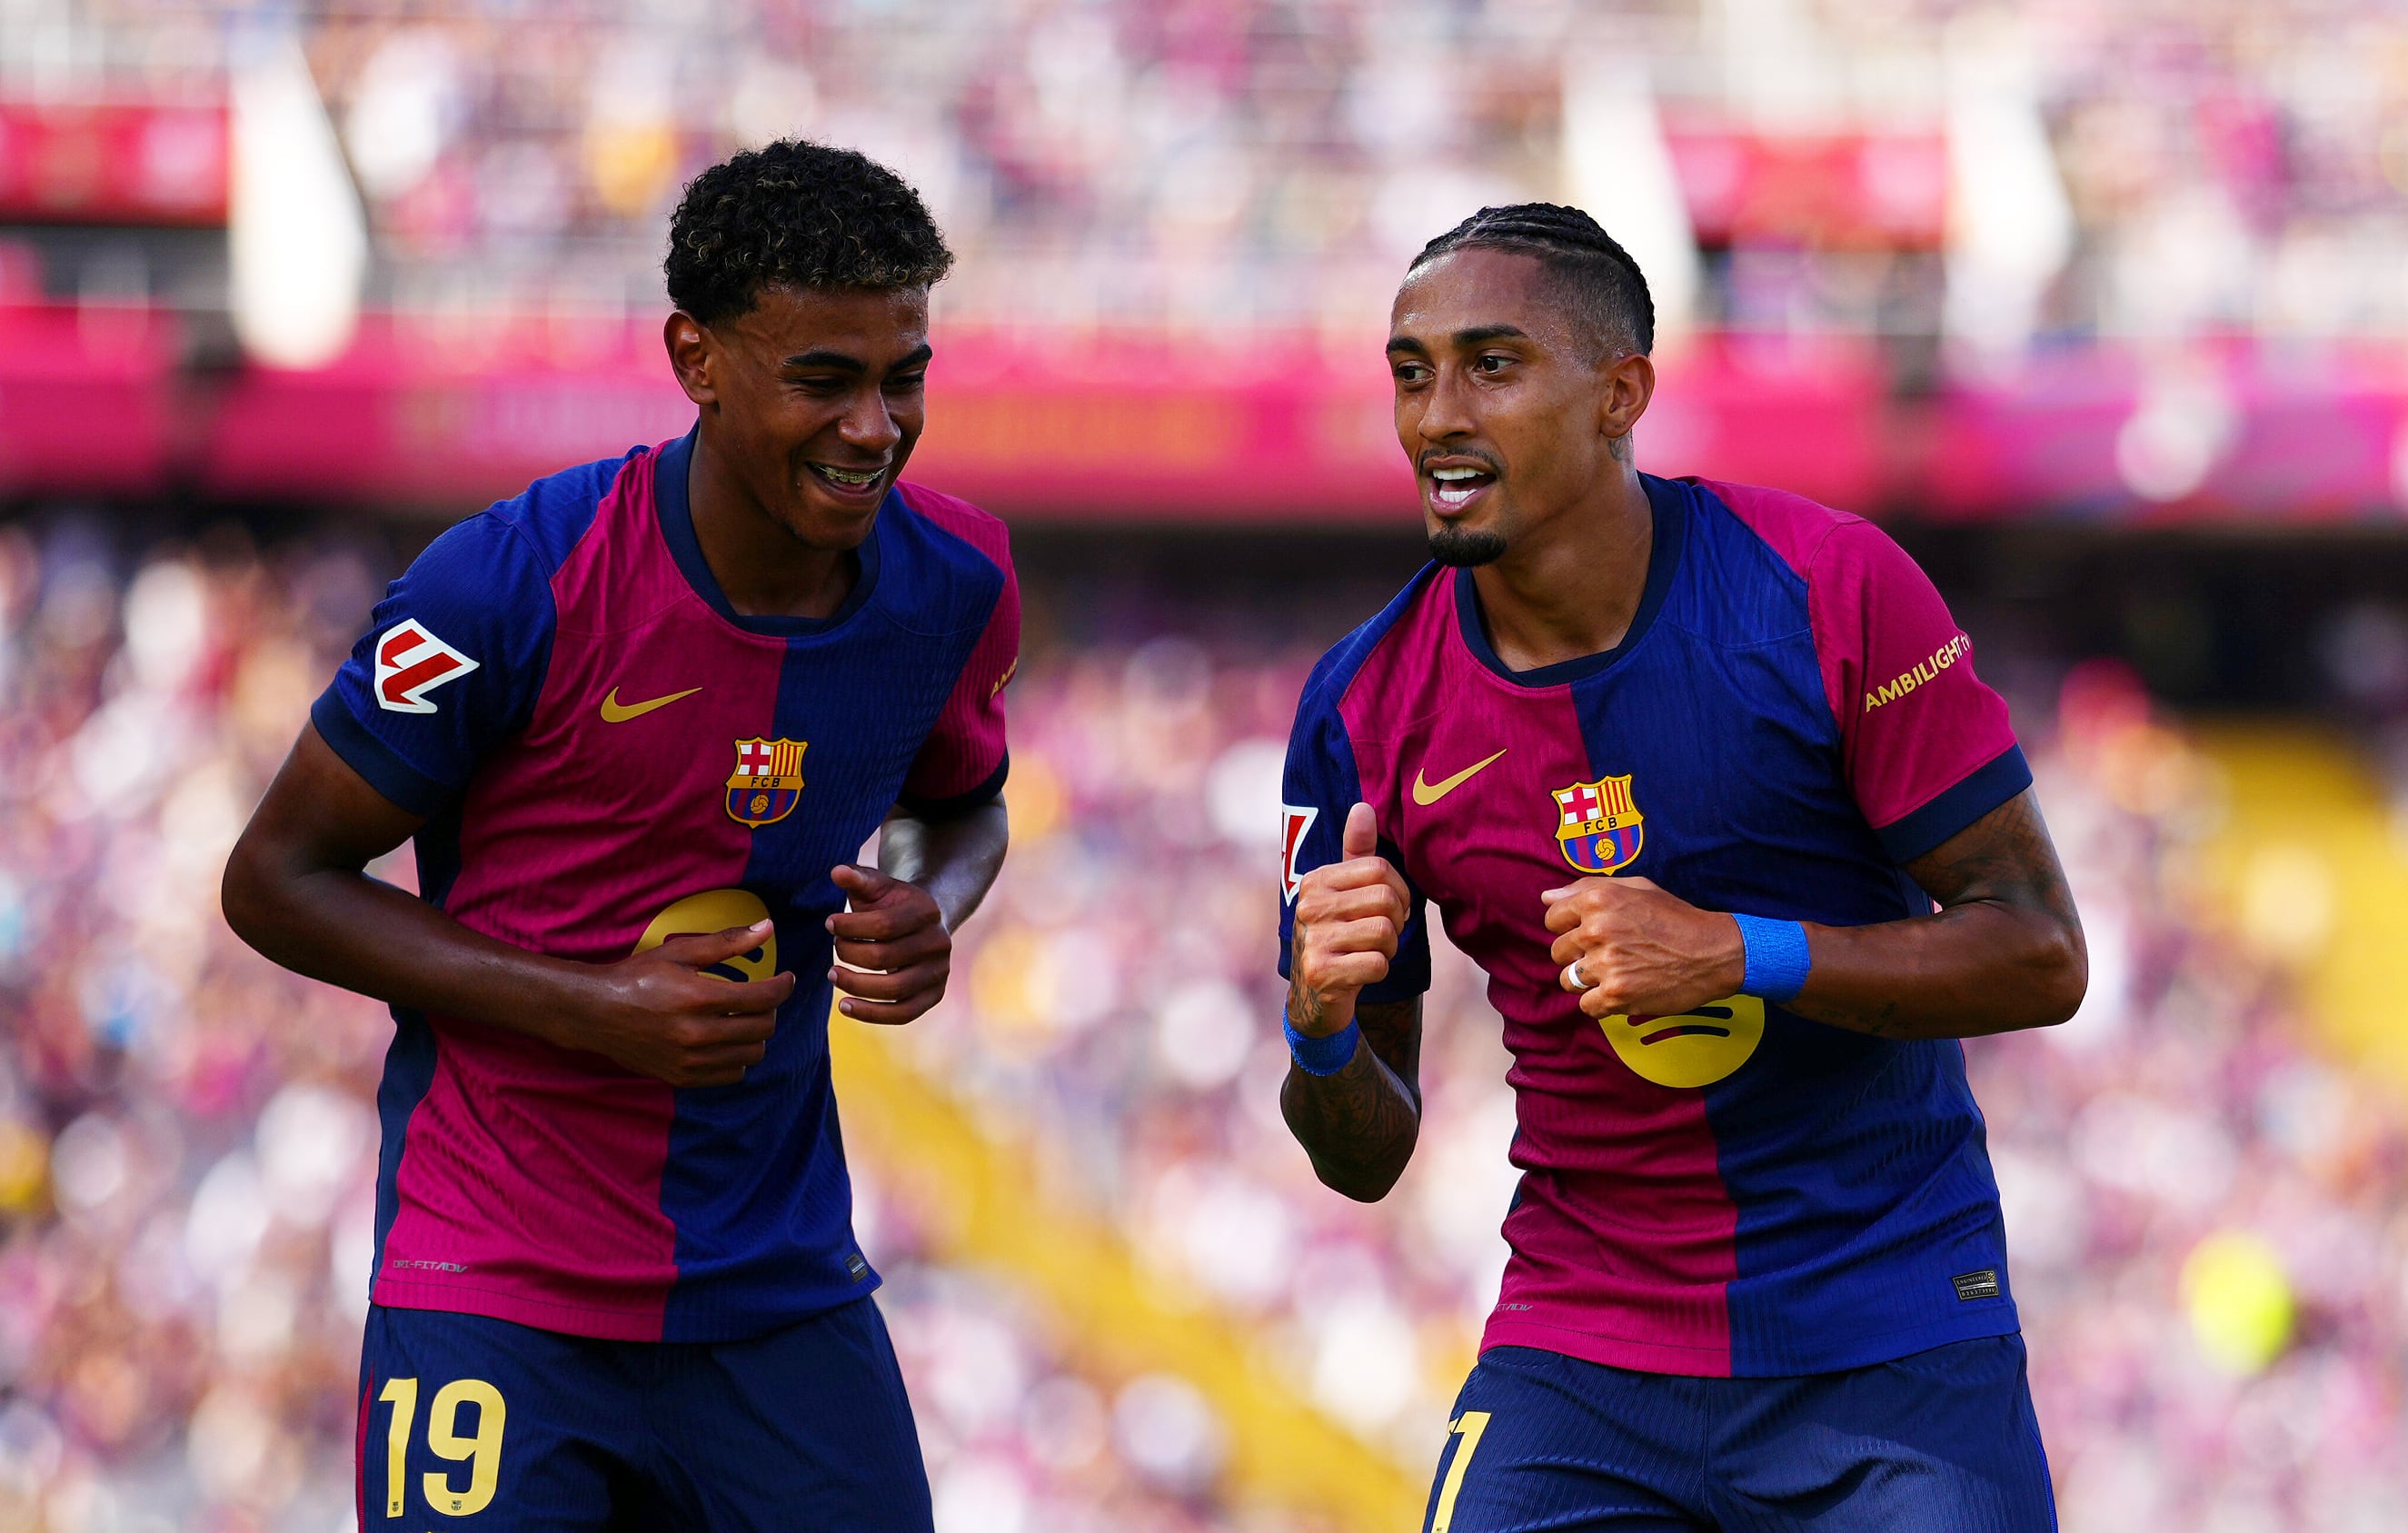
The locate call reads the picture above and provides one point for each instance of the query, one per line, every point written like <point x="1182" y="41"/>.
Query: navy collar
<point x="1665" y="503"/>
<point x="676" y="528"/>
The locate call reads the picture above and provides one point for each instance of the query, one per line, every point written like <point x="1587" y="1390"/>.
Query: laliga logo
<point x="1694" y="1049"/>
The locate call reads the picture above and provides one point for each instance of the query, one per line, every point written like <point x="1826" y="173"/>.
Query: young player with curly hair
<point x="639" y="721"/>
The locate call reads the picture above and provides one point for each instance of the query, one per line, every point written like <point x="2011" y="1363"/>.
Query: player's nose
<point x="870" y="426"/>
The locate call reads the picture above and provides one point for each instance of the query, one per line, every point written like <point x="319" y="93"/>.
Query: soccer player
<point x="639" y="721"/>
<point x="1686" y="767"/>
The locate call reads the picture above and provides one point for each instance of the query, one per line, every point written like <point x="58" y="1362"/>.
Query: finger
<point x="902" y="952"/>
<point x="1597" y="1003"/>
<point x="1563" y="916"/>
<point x="732" y="1057"/>
<point x="893" y="985"/>
<point x="889" y="1013"/>
<point x="1372" y="934"/>
<point x="729" y="997"/>
<point x="1349" y="970"/>
<point x="1361" y="837"/>
<point x="721" y="1032"/>
<point x="1564" y="949"/>
<point x="1355" y="873"/>
<point x="700" y="950"/>
<point x="884" y="922"/>
<point x="862" y="882"/>
<point x="1380" y="898"/>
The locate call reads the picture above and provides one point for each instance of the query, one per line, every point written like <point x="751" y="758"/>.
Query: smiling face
<point x="813" y="398"/>
<point x="1504" y="403"/>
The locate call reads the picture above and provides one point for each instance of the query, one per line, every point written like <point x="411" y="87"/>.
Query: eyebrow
<point x="1401" y="345"/>
<point x="843" y="363"/>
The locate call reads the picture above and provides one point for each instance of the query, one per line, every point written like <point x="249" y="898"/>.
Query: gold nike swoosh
<point x="613" y="714"/>
<point x="1426" y="794"/>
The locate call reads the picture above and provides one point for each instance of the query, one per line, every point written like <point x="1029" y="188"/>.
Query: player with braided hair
<point x="640" y="721"/>
<point x="1686" y="767"/>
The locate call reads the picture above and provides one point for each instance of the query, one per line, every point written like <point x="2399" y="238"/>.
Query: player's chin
<point x="828" y="514"/>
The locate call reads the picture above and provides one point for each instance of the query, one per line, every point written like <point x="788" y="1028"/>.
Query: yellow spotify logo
<point x="1694" y="1049"/>
<point x="699" y="915"/>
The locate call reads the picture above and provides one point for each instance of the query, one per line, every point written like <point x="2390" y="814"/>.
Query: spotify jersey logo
<point x="1695" y="1048"/>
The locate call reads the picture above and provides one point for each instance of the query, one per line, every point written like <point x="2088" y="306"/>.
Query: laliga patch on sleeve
<point x="1298" y="821"/>
<point x="411" y="662"/>
<point x="1973" y="1285"/>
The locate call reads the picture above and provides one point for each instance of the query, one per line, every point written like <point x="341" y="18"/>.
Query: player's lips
<point x="1454" y="483"/>
<point x="852" y="484"/>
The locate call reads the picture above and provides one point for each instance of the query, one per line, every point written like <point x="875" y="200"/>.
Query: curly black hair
<point x="798" y="214"/>
<point x="1600" y="277"/>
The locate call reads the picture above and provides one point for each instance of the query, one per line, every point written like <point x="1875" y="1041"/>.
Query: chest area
<point x="1684" y="770"/>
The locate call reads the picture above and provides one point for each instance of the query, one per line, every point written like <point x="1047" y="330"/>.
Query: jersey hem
<point x="599" y="1322"/>
<point x="1975" y="795"/>
<point x="1671" y="1357"/>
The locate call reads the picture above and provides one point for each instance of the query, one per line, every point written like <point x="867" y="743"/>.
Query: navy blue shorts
<point x="487" y="1427"/>
<point x="1942" y="1441"/>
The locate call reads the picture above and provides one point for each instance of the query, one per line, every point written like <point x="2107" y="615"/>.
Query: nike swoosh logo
<point x="1426" y="794"/>
<point x="613" y="714"/>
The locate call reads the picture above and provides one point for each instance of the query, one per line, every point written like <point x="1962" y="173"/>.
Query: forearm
<point x="347" y="929"/>
<point x="1359" y="1126"/>
<point x="955" y="860"/>
<point x="1973" y="969"/>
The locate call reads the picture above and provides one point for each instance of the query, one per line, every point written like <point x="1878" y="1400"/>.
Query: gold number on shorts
<point x="402" y="1395"/>
<point x="1468" y="1427"/>
<point x="483" y="1451"/>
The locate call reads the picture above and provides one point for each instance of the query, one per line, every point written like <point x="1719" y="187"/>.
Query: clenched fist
<point x="1350" y="915"/>
<point x="1628" y="947"/>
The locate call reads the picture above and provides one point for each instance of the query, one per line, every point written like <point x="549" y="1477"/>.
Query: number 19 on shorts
<point x="482" y="1447"/>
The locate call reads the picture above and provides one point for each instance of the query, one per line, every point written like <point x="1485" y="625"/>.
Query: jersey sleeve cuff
<point x="407" y="786"/>
<point x="1983" y="789"/>
<point x="954" y="805"/>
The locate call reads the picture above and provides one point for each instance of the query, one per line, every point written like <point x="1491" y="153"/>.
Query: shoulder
<point x="1337" y="671"/>
<point x="1797" y="529"/>
<point x="958" y="520"/>
<point x="552" y="514"/>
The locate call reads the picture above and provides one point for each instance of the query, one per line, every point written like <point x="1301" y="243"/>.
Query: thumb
<point x="1362" y="834"/>
<point x="700" y="950"/>
<point x="863" y="884"/>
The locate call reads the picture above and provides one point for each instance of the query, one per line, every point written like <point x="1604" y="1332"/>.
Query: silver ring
<point x="1571" y="978"/>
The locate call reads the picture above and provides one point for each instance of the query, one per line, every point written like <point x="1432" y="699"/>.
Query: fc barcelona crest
<point x="1597" y="825"/>
<point x="768" y="780"/>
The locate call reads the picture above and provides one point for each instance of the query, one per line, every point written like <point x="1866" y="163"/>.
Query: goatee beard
<point x="1462" y="548"/>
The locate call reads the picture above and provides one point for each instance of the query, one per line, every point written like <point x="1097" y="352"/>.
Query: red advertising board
<point x="101" y="162"/>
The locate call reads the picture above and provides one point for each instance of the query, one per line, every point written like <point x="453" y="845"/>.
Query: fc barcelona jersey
<point x="1792" y="717"/>
<point x="609" y="755"/>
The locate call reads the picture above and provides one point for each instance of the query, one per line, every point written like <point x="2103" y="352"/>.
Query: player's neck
<point x="762" y="569"/>
<point x="1570" y="588"/>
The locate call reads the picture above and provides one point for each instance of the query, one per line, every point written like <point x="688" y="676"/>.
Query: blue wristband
<point x="1322" y="1055"/>
<point x="1777" y="959"/>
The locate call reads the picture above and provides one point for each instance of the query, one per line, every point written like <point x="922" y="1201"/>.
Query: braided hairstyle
<point x="802" y="215"/>
<point x="1593" y="271"/>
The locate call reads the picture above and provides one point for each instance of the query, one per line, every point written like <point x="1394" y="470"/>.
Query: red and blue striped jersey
<point x="611" y="756"/>
<point x="1792" y="717"/>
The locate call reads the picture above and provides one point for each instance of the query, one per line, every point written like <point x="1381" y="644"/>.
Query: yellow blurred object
<point x="2239" y="1300"/>
<point x="630" y="164"/>
<point x="1033" y="797"/>
<point x="2309" y="865"/>
<point x="24" y="1167"/>
<point x="989" y="1209"/>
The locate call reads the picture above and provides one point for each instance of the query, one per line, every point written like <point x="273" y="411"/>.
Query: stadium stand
<point x="2205" y="1210"/>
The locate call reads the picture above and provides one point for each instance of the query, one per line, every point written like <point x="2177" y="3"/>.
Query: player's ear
<point x="1629" y="383"/>
<point x="691" y="355"/>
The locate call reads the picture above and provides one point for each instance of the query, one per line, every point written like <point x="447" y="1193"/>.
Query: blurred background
<point x="2103" y="309"/>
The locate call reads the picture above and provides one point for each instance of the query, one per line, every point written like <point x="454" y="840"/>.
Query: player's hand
<point x="896" y="933"/>
<point x="1350" y="915"/>
<point x="661" y="1014"/>
<point x="1639" y="950"/>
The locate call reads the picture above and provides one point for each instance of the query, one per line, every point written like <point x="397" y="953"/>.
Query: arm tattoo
<point x="1359" y="1125"/>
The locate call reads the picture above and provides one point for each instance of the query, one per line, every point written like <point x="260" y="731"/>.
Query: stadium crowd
<point x="2206" y="1219"/>
<point x="2220" y="165"/>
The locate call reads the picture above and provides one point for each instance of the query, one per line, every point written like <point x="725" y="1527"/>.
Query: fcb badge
<point x="1597" y="826"/>
<point x="768" y="780"/>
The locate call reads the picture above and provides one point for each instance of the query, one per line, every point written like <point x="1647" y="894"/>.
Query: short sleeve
<point x="965" y="759"/>
<point x="449" y="668"/>
<point x="1925" y="745"/>
<point x="1317" y="789"/>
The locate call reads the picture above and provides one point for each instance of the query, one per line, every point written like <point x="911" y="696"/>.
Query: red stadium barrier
<point x="443" y="413"/>
<point x="102" y="162"/>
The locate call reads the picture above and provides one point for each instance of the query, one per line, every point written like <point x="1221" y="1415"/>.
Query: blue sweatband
<point x="1322" y="1055"/>
<point x="1777" y="959"/>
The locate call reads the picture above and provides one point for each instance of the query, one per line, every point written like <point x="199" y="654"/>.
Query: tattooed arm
<point x="1359" y="1125"/>
<point x="2004" y="951"/>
